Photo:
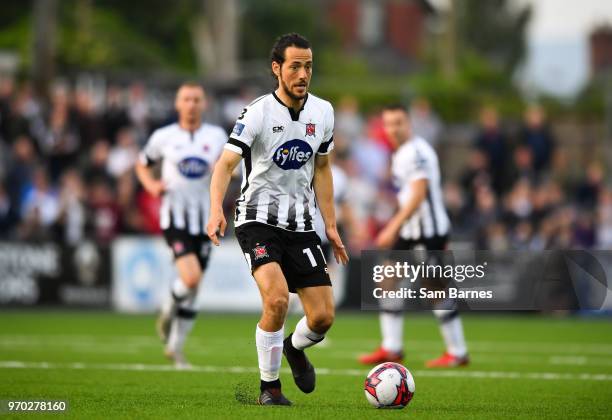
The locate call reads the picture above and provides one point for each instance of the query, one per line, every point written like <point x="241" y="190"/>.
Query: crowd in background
<point x="66" y="171"/>
<point x="511" y="193"/>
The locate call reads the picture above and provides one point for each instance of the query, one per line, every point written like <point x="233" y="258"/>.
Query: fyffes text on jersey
<point x="292" y="154"/>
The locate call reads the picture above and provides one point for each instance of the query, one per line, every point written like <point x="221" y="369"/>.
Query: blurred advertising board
<point x="46" y="273"/>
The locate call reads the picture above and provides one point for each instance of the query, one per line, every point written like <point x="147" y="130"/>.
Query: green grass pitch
<point x="109" y="365"/>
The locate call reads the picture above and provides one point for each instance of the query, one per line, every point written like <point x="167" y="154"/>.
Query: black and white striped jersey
<point x="187" y="162"/>
<point x="416" y="159"/>
<point x="278" y="146"/>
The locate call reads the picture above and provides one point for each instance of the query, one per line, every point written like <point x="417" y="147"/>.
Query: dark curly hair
<point x="282" y="43"/>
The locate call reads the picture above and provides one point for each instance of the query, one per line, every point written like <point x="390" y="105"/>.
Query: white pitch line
<point x="459" y="373"/>
<point x="571" y="348"/>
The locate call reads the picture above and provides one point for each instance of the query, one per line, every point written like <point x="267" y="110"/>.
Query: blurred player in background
<point x="284" y="139"/>
<point x="420" y="222"/>
<point x="187" y="150"/>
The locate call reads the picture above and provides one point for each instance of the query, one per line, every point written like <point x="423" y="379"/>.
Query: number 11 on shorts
<point x="311" y="257"/>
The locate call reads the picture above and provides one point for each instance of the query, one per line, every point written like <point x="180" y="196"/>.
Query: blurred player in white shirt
<point x="187" y="151"/>
<point x="420" y="222"/>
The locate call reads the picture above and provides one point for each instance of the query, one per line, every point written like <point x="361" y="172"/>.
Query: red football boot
<point x="447" y="360"/>
<point x="380" y="355"/>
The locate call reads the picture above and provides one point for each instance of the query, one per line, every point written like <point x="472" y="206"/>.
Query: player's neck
<point x="396" y="144"/>
<point x="190" y="125"/>
<point x="288" y="101"/>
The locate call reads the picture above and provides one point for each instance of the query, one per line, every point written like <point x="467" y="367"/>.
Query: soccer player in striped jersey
<point x="283" y="140"/>
<point x="420" y="222"/>
<point x="187" y="151"/>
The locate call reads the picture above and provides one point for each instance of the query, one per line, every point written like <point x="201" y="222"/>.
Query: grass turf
<point x="523" y="367"/>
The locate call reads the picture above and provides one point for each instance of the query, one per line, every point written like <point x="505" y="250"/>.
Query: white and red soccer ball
<point x="389" y="385"/>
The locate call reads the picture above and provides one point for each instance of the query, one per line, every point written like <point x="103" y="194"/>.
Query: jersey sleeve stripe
<point x="326" y="147"/>
<point x="233" y="148"/>
<point x="146" y="160"/>
<point x="237" y="146"/>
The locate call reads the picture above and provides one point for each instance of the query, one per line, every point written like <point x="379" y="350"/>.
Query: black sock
<point x="289" y="344"/>
<point x="263" y="385"/>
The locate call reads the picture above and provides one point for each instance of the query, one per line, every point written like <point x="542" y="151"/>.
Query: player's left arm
<point x="324" y="190"/>
<point x="389" y="234"/>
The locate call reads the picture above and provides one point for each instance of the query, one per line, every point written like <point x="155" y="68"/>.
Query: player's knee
<point x="192" y="279"/>
<point x="277" y="305"/>
<point x="322" y="321"/>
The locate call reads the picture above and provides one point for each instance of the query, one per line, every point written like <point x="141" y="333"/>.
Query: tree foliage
<point x="264" y="20"/>
<point x="476" y="83"/>
<point x="496" y="29"/>
<point x="109" y="35"/>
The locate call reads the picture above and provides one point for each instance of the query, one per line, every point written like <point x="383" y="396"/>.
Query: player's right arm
<point x="148" y="157"/>
<point x="221" y="177"/>
<point x="388" y="235"/>
<point x="415" y="175"/>
<point x="246" y="130"/>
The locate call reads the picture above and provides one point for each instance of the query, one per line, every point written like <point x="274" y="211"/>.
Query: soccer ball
<point x="389" y="385"/>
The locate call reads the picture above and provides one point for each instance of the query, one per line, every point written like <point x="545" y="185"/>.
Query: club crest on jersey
<point x="292" y="154"/>
<point x="260" y="252"/>
<point x="310" y="129"/>
<point x="193" y="167"/>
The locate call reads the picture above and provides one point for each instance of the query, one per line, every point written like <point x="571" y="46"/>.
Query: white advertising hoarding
<point x="143" y="270"/>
